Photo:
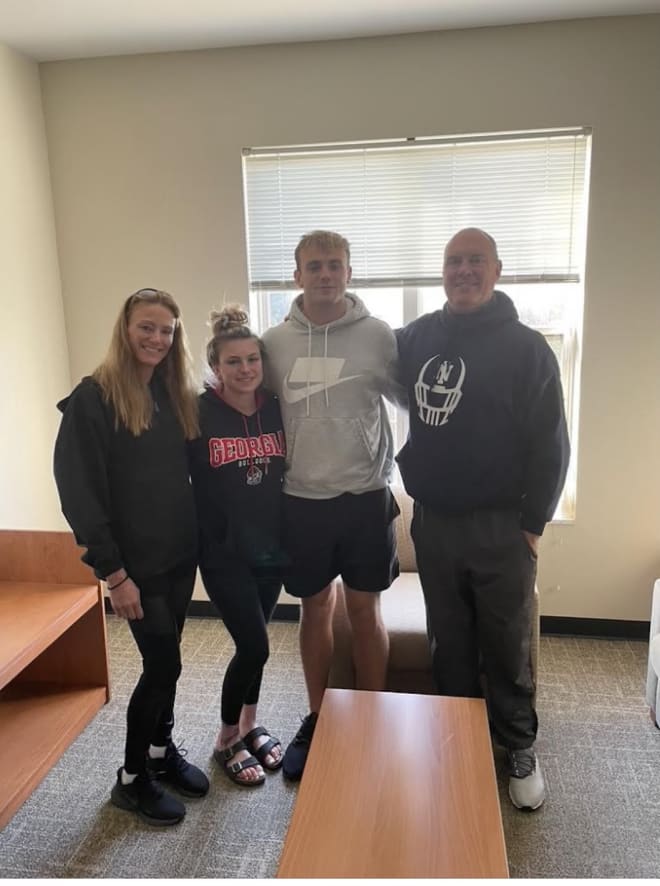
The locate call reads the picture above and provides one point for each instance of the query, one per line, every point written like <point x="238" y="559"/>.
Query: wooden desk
<point x="397" y="785"/>
<point x="53" y="659"/>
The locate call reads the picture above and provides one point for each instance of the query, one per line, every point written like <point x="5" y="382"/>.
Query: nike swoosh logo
<point x="295" y="395"/>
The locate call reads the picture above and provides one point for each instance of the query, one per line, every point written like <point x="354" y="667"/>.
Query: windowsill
<point x="564" y="516"/>
<point x="562" y="521"/>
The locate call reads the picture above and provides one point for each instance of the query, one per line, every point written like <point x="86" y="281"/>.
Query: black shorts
<point x="350" y="535"/>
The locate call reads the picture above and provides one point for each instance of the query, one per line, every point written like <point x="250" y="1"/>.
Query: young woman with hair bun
<point x="237" y="466"/>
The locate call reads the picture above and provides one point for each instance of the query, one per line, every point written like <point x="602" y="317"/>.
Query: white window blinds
<point x="398" y="203"/>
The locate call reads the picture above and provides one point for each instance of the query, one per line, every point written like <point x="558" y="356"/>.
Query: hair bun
<point x="230" y="317"/>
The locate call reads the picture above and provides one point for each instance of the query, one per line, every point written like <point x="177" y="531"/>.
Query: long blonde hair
<point x="121" y="383"/>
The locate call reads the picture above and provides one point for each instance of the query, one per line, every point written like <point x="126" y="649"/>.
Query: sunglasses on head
<point x="147" y="293"/>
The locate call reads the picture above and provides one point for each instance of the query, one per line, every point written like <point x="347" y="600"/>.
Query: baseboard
<point x="606" y="628"/>
<point x="206" y="609"/>
<point x="287" y="612"/>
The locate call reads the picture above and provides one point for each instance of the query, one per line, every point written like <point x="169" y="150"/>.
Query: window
<point x="399" y="202"/>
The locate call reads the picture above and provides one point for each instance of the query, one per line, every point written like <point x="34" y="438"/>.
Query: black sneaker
<point x="173" y="768"/>
<point x="295" y="755"/>
<point x="146" y="797"/>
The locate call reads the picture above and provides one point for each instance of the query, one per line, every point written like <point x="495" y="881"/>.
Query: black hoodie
<point x="128" y="499"/>
<point x="487" y="424"/>
<point x="237" y="466"/>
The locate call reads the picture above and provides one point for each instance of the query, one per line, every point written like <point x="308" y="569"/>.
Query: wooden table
<point x="397" y="785"/>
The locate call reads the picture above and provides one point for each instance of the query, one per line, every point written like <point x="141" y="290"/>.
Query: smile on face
<point x="323" y="275"/>
<point x="239" y="367"/>
<point x="471" y="270"/>
<point x="150" y="332"/>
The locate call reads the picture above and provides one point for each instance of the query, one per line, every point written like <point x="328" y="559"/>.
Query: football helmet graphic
<point x="438" y="389"/>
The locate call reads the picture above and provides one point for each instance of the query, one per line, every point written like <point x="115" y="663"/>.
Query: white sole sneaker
<point x="528" y="793"/>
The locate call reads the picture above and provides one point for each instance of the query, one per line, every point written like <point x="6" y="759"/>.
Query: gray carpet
<point x="600" y="753"/>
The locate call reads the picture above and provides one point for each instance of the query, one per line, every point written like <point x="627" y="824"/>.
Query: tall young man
<point x="331" y="364"/>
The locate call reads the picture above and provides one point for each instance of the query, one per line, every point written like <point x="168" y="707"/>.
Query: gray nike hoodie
<point x="331" y="381"/>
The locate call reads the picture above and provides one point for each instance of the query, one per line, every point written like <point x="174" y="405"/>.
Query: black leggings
<point x="150" y="714"/>
<point x="246" y="602"/>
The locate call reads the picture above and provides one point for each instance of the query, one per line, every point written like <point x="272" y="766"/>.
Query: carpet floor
<point x="599" y="751"/>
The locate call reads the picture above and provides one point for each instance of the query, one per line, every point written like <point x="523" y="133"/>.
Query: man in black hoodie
<point x="485" y="460"/>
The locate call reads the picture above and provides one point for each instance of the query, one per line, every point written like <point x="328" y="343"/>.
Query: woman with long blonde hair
<point x="122" y="474"/>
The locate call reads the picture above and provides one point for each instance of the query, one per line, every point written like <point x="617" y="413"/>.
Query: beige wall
<point x="146" y="167"/>
<point x="34" y="366"/>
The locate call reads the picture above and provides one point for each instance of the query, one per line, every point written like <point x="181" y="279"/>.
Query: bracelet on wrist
<point x="125" y="578"/>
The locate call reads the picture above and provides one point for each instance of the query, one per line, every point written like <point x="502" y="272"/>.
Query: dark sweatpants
<point x="478" y="573"/>
<point x="150" y="715"/>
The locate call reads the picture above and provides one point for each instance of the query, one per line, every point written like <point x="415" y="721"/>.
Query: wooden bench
<point x="53" y="656"/>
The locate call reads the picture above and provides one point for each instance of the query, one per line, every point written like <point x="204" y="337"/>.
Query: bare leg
<point x="316" y="643"/>
<point x="248" y="718"/>
<point x="371" y="643"/>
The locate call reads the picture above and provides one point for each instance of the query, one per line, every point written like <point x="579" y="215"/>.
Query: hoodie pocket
<point x="324" y="450"/>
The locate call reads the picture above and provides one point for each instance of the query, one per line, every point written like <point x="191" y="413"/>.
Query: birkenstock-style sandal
<point x="233" y="770"/>
<point x="261" y="752"/>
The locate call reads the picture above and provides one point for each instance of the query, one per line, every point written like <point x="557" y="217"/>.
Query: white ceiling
<point x="47" y="30"/>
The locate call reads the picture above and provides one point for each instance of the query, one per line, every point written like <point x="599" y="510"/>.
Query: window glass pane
<point x="539" y="305"/>
<point x="544" y="305"/>
<point x="269" y="308"/>
<point x="556" y="342"/>
<point x="386" y="304"/>
<point x="431" y="298"/>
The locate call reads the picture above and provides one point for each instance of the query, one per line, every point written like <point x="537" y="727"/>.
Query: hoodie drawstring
<point x="309" y="361"/>
<point x="325" y="367"/>
<point x="325" y="363"/>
